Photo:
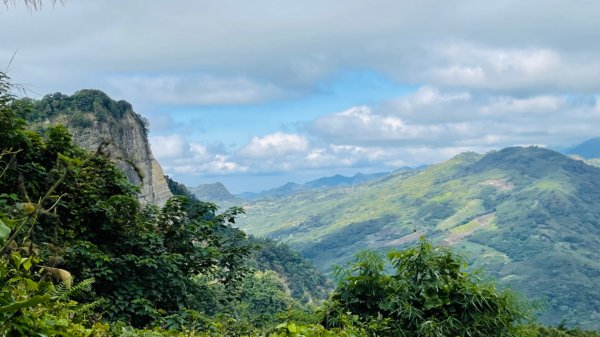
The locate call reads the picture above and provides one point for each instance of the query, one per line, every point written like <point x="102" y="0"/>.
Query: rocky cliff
<point x="94" y="119"/>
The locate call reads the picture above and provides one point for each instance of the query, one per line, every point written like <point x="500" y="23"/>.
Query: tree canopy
<point x="427" y="294"/>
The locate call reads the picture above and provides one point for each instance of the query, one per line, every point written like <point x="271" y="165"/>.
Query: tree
<point x="429" y="294"/>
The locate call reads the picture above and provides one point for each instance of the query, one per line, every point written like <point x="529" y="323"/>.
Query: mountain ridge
<point x="588" y="149"/>
<point x="320" y="183"/>
<point x="530" y="215"/>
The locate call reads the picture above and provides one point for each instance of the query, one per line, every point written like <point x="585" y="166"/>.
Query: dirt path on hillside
<point x="500" y="184"/>
<point x="482" y="220"/>
<point x="405" y="239"/>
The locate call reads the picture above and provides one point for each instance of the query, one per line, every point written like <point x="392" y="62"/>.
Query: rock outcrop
<point x="94" y="119"/>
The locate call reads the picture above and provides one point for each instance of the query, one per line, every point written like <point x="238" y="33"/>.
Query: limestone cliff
<point x="94" y="119"/>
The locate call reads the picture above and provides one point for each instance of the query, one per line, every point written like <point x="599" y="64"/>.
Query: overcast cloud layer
<point x="238" y="89"/>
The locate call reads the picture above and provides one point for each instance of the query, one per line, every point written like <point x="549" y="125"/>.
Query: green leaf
<point x="4" y="231"/>
<point x="35" y="300"/>
<point x="27" y="264"/>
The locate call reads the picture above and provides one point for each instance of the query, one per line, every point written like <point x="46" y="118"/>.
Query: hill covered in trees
<point x="529" y="215"/>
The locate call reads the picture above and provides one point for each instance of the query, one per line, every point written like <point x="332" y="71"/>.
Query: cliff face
<point x="94" y="119"/>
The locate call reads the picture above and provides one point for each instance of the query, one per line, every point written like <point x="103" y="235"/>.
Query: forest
<point x="80" y="256"/>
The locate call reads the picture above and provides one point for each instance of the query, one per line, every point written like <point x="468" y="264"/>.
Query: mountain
<point x="321" y="183"/>
<point x="215" y="192"/>
<point x="587" y="150"/>
<point x="94" y="119"/>
<point x="530" y="216"/>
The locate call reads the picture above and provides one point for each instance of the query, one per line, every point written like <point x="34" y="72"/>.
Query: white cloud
<point x="165" y="147"/>
<point x="219" y="164"/>
<point x="274" y="145"/>
<point x="433" y="118"/>
<point x="178" y="155"/>
<point x="469" y="65"/>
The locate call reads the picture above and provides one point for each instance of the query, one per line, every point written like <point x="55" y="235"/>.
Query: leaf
<point x="4" y="231"/>
<point x="35" y="300"/>
<point x="27" y="264"/>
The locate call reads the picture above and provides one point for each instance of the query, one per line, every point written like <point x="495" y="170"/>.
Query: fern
<point x="62" y="291"/>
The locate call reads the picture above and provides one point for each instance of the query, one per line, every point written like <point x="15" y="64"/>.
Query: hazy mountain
<point x="321" y="183"/>
<point x="587" y="150"/>
<point x="215" y="192"/>
<point x="531" y="216"/>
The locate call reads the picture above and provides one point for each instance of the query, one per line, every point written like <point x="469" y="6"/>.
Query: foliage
<point x="263" y="297"/>
<point x="303" y="280"/>
<point x="30" y="305"/>
<point x="427" y="295"/>
<point x="180" y="189"/>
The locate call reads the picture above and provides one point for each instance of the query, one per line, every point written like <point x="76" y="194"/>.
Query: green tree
<point x="428" y="294"/>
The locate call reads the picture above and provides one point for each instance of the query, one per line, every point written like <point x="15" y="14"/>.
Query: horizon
<point x="257" y="95"/>
<point x="562" y="151"/>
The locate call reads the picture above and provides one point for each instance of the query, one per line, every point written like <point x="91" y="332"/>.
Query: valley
<point x="528" y="216"/>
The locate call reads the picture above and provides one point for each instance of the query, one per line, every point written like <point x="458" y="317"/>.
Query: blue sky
<point x="255" y="94"/>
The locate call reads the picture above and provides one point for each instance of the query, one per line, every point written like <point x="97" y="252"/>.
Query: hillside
<point x="94" y="119"/>
<point x="531" y="216"/>
<point x="301" y="279"/>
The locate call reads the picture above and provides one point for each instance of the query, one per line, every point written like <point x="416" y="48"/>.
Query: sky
<point x="258" y="93"/>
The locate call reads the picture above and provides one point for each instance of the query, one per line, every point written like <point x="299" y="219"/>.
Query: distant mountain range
<point x="217" y="192"/>
<point x="530" y="216"/>
<point x="318" y="184"/>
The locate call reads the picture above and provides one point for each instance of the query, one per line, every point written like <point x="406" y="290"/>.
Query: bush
<point x="428" y="295"/>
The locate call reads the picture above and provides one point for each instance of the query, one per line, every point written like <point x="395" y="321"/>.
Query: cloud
<point x="469" y="65"/>
<point x="361" y="124"/>
<point x="180" y="156"/>
<point x="274" y="145"/>
<point x="166" y="147"/>
<point x="195" y="89"/>
<point x="255" y="51"/>
<point x="432" y="118"/>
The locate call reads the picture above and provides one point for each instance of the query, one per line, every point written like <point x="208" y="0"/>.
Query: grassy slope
<point x="530" y="216"/>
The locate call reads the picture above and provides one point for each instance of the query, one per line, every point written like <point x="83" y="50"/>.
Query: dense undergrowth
<point x="80" y="256"/>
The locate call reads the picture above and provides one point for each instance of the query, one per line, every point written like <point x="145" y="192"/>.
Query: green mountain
<point x="587" y="150"/>
<point x="216" y="192"/>
<point x="530" y="216"/>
